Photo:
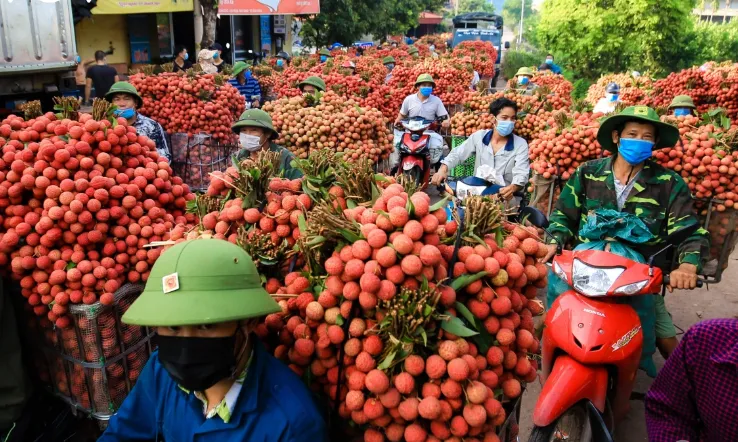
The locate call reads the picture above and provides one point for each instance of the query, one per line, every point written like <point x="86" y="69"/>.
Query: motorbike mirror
<point x="534" y="216"/>
<point x="653" y="257"/>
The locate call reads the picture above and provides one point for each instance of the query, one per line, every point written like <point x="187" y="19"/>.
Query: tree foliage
<point x="476" y="6"/>
<point x="511" y="13"/>
<point x="345" y="21"/>
<point x="600" y="36"/>
<point x="711" y="42"/>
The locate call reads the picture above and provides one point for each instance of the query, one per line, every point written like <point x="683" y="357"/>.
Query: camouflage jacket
<point x="285" y="162"/>
<point x="660" y="198"/>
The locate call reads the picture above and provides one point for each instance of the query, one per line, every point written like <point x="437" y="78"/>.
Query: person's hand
<point x="255" y="104"/>
<point x="440" y="176"/>
<point x="446" y="123"/>
<point x="551" y="252"/>
<point x="684" y="277"/>
<point x="507" y="192"/>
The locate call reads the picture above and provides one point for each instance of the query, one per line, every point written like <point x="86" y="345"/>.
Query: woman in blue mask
<point x="218" y="56"/>
<point x="629" y="182"/>
<point x="127" y="100"/>
<point x="682" y="106"/>
<point x="182" y="60"/>
<point x="282" y="61"/>
<point x="497" y="148"/>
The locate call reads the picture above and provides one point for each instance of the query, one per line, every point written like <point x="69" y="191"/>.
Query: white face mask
<point x="251" y="143"/>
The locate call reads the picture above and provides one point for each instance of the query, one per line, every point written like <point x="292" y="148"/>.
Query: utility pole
<point x="456" y="7"/>
<point x="522" y="16"/>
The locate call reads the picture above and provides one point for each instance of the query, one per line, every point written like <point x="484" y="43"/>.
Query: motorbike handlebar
<point x="700" y="283"/>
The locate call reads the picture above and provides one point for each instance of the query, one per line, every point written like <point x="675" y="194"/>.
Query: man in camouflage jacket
<point x="656" y="195"/>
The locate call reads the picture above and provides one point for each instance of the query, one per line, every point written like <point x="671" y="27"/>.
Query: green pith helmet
<point x="201" y="281"/>
<point x="425" y="78"/>
<point x="388" y="60"/>
<point x="412" y="50"/>
<point x="667" y="134"/>
<point x="682" y="101"/>
<point x="525" y="71"/>
<point x="255" y="118"/>
<point x="124" y="87"/>
<point x="314" y="81"/>
<point x="239" y="67"/>
<point x="325" y="52"/>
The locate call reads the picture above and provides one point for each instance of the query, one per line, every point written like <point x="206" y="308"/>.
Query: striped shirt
<point x="250" y="89"/>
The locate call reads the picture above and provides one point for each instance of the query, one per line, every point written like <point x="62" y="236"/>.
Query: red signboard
<point x="268" y="7"/>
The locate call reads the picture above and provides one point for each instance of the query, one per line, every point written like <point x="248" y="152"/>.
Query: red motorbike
<point x="414" y="147"/>
<point x="591" y="346"/>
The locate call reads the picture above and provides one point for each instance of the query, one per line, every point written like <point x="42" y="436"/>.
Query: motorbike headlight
<point x="560" y="272"/>
<point x="594" y="281"/>
<point x="631" y="289"/>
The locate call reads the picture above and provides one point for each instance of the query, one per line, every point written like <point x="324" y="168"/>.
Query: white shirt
<point x="430" y="108"/>
<point x="605" y="106"/>
<point x="475" y="80"/>
<point x="511" y="164"/>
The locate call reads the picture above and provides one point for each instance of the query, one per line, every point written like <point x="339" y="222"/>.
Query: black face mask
<point x="197" y="363"/>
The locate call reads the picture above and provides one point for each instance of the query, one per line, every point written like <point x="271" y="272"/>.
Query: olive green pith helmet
<point x="314" y="81"/>
<point x="668" y="135"/>
<point x="325" y="52"/>
<point x="425" y="78"/>
<point x="255" y="118"/>
<point x="388" y="60"/>
<point x="201" y="281"/>
<point x="124" y="87"/>
<point x="239" y="67"/>
<point x="525" y="71"/>
<point x="682" y="101"/>
<point x="412" y="50"/>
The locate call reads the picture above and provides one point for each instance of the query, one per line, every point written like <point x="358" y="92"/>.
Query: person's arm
<point x="117" y="78"/>
<point x="88" y="88"/>
<point x="521" y="168"/>
<point x="404" y="111"/>
<point x="457" y="156"/>
<point x="136" y="419"/>
<point x="257" y="93"/>
<point x="670" y="411"/>
<point x="161" y="143"/>
<point x="568" y="211"/>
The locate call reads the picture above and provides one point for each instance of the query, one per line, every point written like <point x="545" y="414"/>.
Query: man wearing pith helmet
<point x="682" y="105"/>
<point x="211" y="378"/>
<point x="256" y="133"/>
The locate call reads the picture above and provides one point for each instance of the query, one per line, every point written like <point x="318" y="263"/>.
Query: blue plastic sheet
<point x="617" y="229"/>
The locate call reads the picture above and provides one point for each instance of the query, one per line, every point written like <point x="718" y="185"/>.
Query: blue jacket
<point x="274" y="405"/>
<point x="556" y="69"/>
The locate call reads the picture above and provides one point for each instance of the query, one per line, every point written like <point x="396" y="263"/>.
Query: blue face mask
<point x="612" y="97"/>
<point x="390" y="66"/>
<point x="549" y="61"/>
<point x="505" y="128"/>
<point x="635" y="151"/>
<point x="78" y="59"/>
<point x="247" y="74"/>
<point x="426" y="91"/>
<point x="186" y="56"/>
<point x="682" y="112"/>
<point x="216" y="56"/>
<point x="523" y="81"/>
<point x="280" y="62"/>
<point x="125" y="113"/>
<point x="323" y="58"/>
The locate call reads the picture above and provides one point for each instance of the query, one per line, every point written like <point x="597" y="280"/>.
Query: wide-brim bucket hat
<point x="201" y="281"/>
<point x="667" y="135"/>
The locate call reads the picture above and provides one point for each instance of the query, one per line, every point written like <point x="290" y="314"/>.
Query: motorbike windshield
<point x="415" y="125"/>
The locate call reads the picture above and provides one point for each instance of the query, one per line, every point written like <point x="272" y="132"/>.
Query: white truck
<point x="38" y="51"/>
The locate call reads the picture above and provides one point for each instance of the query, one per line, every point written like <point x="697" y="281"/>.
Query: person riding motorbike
<point x="349" y="67"/>
<point x="325" y="54"/>
<point x="497" y="148"/>
<point x="389" y="63"/>
<point x="428" y="106"/>
<point x="630" y="182"/>
<point x="312" y="85"/>
<point x="283" y="60"/>
<point x="682" y="105"/>
<point x="523" y="81"/>
<point x="607" y="104"/>
<point x="211" y="378"/>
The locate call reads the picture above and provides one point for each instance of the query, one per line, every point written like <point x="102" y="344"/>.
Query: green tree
<point x="345" y="21"/>
<point x="476" y="6"/>
<point x="600" y="36"/>
<point x="511" y="13"/>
